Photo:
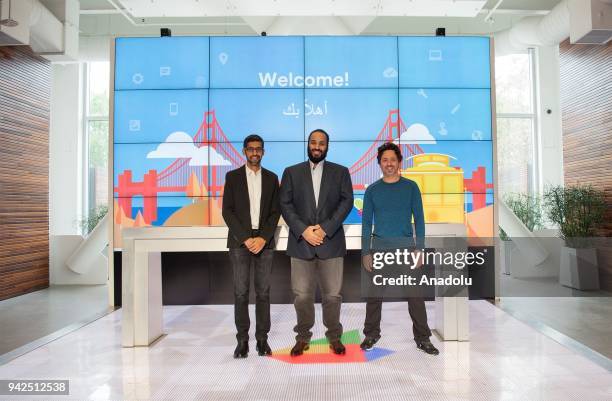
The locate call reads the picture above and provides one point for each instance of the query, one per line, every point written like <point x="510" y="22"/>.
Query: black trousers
<point x="242" y="260"/>
<point x="416" y="309"/>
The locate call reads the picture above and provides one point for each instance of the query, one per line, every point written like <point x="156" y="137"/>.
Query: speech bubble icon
<point x="223" y="58"/>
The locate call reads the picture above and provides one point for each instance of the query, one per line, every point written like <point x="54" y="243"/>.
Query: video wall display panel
<point x="349" y="62"/>
<point x="275" y="114"/>
<point x="444" y="62"/>
<point x="183" y="105"/>
<point x="161" y="63"/>
<point x="152" y="116"/>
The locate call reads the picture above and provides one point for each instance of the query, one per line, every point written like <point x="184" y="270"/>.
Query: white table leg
<point x="446" y="316"/>
<point x="452" y="318"/>
<point x="463" y="319"/>
<point x="127" y="293"/>
<point x="147" y="298"/>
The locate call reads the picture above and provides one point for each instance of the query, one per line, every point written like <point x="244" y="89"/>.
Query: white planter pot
<point x="578" y="268"/>
<point x="505" y="254"/>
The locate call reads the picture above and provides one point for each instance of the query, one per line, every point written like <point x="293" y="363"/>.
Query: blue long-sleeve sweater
<point x="391" y="207"/>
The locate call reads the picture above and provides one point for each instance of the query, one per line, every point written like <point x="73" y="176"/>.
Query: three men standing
<point x="315" y="198"/>
<point x="252" y="222"/>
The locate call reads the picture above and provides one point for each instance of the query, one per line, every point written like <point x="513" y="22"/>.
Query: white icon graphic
<point x="165" y="71"/>
<point x="456" y="108"/>
<point x="137" y="78"/>
<point x="390" y="73"/>
<point x="134" y="125"/>
<point x="416" y="134"/>
<point x="179" y="145"/>
<point x="200" y="81"/>
<point x="223" y="58"/>
<point x="443" y="130"/>
<point x="477" y="135"/>
<point x="174" y="109"/>
<point x="421" y="92"/>
<point x="435" y="55"/>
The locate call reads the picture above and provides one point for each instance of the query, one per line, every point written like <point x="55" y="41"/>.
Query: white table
<point x="142" y="321"/>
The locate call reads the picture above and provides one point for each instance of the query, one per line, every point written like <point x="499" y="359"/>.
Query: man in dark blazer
<point x="316" y="196"/>
<point x="251" y="211"/>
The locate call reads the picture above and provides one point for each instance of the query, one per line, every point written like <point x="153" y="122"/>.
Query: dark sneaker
<point x="427" y="347"/>
<point x="368" y="343"/>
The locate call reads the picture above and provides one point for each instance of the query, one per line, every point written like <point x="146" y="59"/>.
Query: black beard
<point x="316" y="160"/>
<point x="257" y="163"/>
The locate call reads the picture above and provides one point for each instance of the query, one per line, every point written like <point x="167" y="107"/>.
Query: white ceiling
<point x="200" y="8"/>
<point x="216" y="8"/>
<point x="247" y="17"/>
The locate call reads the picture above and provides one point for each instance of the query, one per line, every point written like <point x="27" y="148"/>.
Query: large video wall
<point x="183" y="105"/>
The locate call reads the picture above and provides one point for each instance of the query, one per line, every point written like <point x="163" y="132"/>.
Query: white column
<point x="65" y="167"/>
<point x="550" y="125"/>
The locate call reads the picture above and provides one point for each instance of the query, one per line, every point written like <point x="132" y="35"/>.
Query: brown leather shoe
<point x="299" y="348"/>
<point x="337" y="347"/>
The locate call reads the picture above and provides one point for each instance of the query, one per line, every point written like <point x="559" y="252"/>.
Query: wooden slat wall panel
<point x="25" y="85"/>
<point x="586" y="100"/>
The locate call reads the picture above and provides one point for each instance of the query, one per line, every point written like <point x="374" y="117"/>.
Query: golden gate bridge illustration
<point x="179" y="176"/>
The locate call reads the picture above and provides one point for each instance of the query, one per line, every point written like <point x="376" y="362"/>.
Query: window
<point x="516" y="122"/>
<point x="96" y="135"/>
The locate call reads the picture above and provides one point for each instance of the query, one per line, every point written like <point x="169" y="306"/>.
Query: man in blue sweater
<point x="392" y="202"/>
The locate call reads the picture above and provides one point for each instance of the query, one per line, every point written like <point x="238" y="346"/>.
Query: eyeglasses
<point x="254" y="150"/>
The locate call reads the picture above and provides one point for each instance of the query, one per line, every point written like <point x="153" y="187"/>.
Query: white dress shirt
<point x="316" y="170"/>
<point x="254" y="185"/>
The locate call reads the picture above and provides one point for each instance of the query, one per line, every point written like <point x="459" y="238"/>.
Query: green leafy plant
<point x="528" y="209"/>
<point x="95" y="215"/>
<point x="502" y="235"/>
<point x="577" y="209"/>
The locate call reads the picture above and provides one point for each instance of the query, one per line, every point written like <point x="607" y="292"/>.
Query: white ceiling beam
<point x="308" y="26"/>
<point x="492" y="11"/>
<point x="259" y="24"/>
<point x="357" y="24"/>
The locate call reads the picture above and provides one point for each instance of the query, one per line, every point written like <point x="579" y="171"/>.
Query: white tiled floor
<point x="505" y="359"/>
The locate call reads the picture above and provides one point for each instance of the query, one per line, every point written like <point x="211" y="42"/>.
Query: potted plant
<point x="528" y="209"/>
<point x="578" y="211"/>
<point x="94" y="217"/>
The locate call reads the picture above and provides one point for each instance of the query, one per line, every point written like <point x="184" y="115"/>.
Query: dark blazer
<point x="299" y="210"/>
<point x="237" y="211"/>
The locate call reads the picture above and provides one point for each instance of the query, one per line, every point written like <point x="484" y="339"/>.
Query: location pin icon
<point x="223" y="58"/>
